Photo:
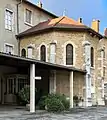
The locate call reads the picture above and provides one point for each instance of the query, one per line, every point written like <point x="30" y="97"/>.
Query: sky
<point x="86" y="9"/>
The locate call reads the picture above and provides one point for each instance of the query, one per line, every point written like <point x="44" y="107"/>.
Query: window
<point x="103" y="71"/>
<point x="14" y="85"/>
<point x="30" y="52"/>
<point x="8" y="20"/>
<point x="69" y="54"/>
<point x="92" y="57"/>
<point x="9" y="49"/>
<point x="52" y="52"/>
<point x="23" y="53"/>
<point x="43" y="53"/>
<point x="28" y="16"/>
<point x="104" y="53"/>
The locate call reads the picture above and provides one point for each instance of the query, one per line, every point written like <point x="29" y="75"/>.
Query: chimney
<point x="105" y="32"/>
<point x="39" y="4"/>
<point x="80" y="20"/>
<point x="95" y="25"/>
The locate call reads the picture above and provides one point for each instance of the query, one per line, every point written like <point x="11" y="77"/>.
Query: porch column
<point x="71" y="89"/>
<point x="32" y="88"/>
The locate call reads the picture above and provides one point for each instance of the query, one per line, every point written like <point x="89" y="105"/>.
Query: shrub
<point x="41" y="103"/>
<point x="65" y="102"/>
<point x="24" y="94"/>
<point x="54" y="103"/>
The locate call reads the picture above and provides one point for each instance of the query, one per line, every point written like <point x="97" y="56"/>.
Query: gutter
<point x="17" y="18"/>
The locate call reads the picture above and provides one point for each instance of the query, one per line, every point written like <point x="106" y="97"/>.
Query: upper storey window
<point x="43" y="53"/>
<point x="69" y="54"/>
<point x="104" y="53"/>
<point x="23" y="53"/>
<point x="28" y="16"/>
<point x="8" y="19"/>
<point x="9" y="48"/>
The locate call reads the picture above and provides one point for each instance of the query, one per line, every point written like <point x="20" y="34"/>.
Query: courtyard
<point x="20" y="113"/>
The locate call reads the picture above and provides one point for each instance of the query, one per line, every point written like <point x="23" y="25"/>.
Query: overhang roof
<point x="14" y="60"/>
<point x="61" y="23"/>
<point x="41" y="9"/>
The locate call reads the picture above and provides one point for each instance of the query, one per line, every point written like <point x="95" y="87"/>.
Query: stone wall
<point x="62" y="38"/>
<point x="62" y="82"/>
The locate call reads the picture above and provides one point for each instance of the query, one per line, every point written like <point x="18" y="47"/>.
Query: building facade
<point x="70" y="43"/>
<point x="17" y="16"/>
<point x="81" y="50"/>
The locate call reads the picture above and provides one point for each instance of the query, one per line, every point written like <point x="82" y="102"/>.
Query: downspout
<point x="17" y="18"/>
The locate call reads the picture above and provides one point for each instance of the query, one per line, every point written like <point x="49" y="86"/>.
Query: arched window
<point x="92" y="57"/>
<point x="104" y="52"/>
<point x="23" y="53"/>
<point x="69" y="54"/>
<point x="43" y="53"/>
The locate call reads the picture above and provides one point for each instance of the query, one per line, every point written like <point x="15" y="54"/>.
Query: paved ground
<point x="99" y="113"/>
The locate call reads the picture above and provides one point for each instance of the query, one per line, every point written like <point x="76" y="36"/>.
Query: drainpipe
<point x="17" y="18"/>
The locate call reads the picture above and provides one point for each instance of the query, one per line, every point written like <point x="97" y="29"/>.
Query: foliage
<point x="25" y="94"/>
<point x="54" y="103"/>
<point x="65" y="102"/>
<point x="41" y="103"/>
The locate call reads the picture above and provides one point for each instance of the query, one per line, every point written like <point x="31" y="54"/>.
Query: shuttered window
<point x="43" y="53"/>
<point x="69" y="54"/>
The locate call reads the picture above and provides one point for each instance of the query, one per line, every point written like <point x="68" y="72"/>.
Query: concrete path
<point x="9" y="113"/>
<point x="99" y="113"/>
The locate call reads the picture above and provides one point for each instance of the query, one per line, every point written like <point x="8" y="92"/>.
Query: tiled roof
<point x="58" y="23"/>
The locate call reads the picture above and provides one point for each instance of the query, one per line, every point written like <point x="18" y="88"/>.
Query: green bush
<point x="65" y="102"/>
<point x="41" y="103"/>
<point x="24" y="94"/>
<point x="54" y="103"/>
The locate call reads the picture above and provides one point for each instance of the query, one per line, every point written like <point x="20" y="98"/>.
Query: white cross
<point x="38" y="78"/>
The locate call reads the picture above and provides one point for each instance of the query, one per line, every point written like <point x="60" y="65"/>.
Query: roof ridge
<point x="59" y="21"/>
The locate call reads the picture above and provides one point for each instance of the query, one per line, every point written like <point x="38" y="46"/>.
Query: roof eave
<point x="28" y="2"/>
<point x="81" y="29"/>
<point x="30" y="61"/>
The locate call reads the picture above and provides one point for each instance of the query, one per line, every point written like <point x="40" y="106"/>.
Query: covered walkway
<point x="11" y="64"/>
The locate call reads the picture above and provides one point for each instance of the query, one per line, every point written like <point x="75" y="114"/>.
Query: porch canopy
<point x="32" y="64"/>
<point x="17" y="61"/>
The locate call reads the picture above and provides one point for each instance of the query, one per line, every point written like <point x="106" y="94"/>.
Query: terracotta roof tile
<point x="61" y="22"/>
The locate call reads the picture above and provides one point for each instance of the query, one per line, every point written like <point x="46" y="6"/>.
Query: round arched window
<point x="69" y="54"/>
<point x="23" y="53"/>
<point x="43" y="53"/>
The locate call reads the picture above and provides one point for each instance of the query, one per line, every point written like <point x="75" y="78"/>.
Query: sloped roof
<point x="58" y="23"/>
<point x="41" y="9"/>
